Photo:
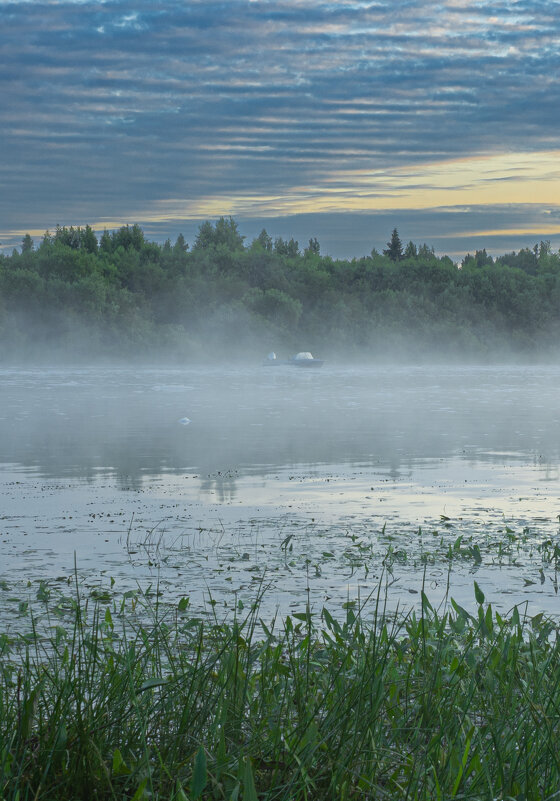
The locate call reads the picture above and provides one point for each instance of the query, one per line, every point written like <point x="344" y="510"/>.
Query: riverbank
<point x="133" y="700"/>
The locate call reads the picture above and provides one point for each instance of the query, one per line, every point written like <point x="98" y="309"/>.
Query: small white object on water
<point x="184" y="421"/>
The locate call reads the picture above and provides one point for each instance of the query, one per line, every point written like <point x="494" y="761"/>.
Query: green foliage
<point x="127" y="295"/>
<point x="224" y="233"/>
<point x="313" y="248"/>
<point x="289" y="249"/>
<point x="274" y="305"/>
<point x="129" y="702"/>
<point x="263" y="242"/>
<point x="411" y="251"/>
<point x="27" y="244"/>
<point x="394" y="247"/>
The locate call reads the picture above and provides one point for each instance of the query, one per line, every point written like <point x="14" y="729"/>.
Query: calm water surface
<point x="315" y="484"/>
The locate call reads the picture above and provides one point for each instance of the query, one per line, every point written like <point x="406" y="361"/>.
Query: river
<point x="314" y="484"/>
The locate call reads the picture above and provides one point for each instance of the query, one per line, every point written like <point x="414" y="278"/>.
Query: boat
<point x="305" y="359"/>
<point x="302" y="359"/>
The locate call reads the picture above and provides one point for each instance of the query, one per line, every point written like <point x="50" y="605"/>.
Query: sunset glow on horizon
<point x="440" y="120"/>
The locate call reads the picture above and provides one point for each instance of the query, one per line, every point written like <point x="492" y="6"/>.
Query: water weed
<point x="430" y="704"/>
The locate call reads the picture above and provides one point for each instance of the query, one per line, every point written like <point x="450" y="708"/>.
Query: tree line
<point x="123" y="296"/>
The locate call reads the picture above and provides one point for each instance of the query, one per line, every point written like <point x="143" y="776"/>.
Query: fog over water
<point x="217" y="480"/>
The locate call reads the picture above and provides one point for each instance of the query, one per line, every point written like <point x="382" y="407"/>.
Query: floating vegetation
<point x="122" y="697"/>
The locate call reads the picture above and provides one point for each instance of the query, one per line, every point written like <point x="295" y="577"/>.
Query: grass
<point x="363" y="705"/>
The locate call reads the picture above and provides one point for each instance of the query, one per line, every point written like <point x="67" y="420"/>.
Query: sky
<point x="336" y="120"/>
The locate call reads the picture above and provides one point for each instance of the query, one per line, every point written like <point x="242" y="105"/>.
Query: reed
<point x="362" y="705"/>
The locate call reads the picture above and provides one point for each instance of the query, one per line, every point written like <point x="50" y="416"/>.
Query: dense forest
<point x="122" y="296"/>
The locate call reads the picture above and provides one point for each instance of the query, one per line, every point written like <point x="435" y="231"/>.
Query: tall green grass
<point x="428" y="705"/>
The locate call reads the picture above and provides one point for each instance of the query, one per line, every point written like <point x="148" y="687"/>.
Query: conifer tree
<point x="394" y="248"/>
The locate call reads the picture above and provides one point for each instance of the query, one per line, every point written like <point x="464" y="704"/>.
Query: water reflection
<point x="126" y="423"/>
<point x="348" y="463"/>
<point x="221" y="484"/>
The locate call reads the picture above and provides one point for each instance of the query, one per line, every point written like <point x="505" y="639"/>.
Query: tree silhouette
<point x="394" y="247"/>
<point x="411" y="251"/>
<point x="26" y="244"/>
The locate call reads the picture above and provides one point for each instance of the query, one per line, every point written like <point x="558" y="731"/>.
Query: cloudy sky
<point x="339" y="120"/>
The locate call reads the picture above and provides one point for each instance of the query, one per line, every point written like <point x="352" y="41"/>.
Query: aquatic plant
<point x="431" y="704"/>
